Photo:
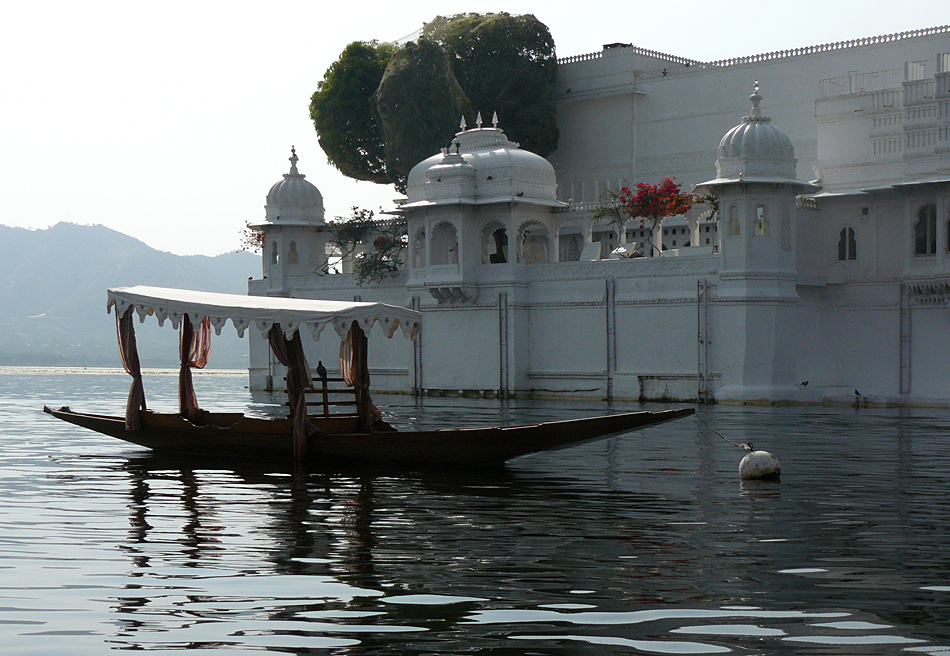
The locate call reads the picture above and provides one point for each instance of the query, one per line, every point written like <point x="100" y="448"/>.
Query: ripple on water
<point x="104" y="547"/>
<point x="652" y="646"/>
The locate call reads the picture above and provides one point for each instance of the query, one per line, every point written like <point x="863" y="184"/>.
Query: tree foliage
<point x="343" y="112"/>
<point x="419" y="103"/>
<point x="381" y="110"/>
<point x="388" y="238"/>
<point x="505" y="64"/>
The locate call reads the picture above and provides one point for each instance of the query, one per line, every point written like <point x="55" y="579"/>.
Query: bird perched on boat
<point x="321" y="371"/>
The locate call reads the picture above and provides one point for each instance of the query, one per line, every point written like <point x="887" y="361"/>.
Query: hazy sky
<point x="170" y="121"/>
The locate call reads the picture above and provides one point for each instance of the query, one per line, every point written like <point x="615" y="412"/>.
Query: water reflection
<point x="353" y="560"/>
<point x="360" y="547"/>
<point x="645" y="544"/>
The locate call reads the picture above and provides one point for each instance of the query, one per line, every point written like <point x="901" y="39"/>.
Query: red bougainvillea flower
<point x="655" y="201"/>
<point x="382" y="243"/>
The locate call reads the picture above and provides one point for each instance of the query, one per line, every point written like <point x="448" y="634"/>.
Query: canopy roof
<point x="262" y="311"/>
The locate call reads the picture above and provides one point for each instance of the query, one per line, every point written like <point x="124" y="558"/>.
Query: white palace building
<point x="824" y="275"/>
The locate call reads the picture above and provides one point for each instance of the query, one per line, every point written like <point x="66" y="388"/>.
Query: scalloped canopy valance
<point x="263" y="312"/>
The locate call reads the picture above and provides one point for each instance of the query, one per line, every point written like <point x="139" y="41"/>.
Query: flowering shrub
<point x="389" y="240"/>
<point x="655" y="201"/>
<point x="649" y="203"/>
<point x="382" y="243"/>
<point x="251" y="240"/>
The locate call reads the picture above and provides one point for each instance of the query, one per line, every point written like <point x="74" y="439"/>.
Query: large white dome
<point x="482" y="166"/>
<point x="755" y="148"/>
<point x="293" y="200"/>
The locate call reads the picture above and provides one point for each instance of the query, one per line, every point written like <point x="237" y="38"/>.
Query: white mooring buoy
<point x="759" y="465"/>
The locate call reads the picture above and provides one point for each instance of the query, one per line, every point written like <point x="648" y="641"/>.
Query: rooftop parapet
<point x="683" y="65"/>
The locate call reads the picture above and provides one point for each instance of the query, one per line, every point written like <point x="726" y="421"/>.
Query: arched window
<point x="444" y="246"/>
<point x="419" y="250"/>
<point x="847" y="245"/>
<point x="494" y="243"/>
<point x="274" y="253"/>
<point x="925" y="231"/>
<point x="734" y="227"/>
<point x="292" y="256"/>
<point x="534" y="244"/>
<point x="761" y="223"/>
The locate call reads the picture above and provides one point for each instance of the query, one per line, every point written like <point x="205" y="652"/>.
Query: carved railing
<point x="629" y="50"/>
<point x="688" y="64"/>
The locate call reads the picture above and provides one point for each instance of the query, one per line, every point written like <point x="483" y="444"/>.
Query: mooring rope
<point x="747" y="445"/>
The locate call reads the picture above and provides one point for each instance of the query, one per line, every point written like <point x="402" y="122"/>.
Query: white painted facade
<point x="826" y="273"/>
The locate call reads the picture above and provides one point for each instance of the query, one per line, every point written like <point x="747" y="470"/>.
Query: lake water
<point x="642" y="544"/>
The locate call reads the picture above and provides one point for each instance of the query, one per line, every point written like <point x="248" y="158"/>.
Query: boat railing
<point x="332" y="397"/>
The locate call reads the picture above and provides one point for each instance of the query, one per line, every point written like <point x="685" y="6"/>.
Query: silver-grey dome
<point x="756" y="148"/>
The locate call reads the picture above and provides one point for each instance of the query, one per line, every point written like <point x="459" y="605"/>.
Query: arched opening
<point x="761" y="221"/>
<point x="847" y="245"/>
<point x="735" y="228"/>
<point x="494" y="243"/>
<point x="445" y="245"/>
<point x="274" y="253"/>
<point x="925" y="231"/>
<point x="419" y="249"/>
<point x="570" y="243"/>
<point x="534" y="243"/>
<point x="293" y="257"/>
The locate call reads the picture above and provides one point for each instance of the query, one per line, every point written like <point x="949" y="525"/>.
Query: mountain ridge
<point x="53" y="295"/>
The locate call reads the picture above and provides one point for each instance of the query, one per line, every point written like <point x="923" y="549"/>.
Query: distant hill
<point x="53" y="295"/>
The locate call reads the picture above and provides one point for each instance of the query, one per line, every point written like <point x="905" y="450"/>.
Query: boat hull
<point x="236" y="437"/>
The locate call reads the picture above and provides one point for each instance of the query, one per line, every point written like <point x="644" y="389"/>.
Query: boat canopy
<point x="263" y="312"/>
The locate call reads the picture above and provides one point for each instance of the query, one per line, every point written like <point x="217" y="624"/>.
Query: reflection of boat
<point x="358" y="436"/>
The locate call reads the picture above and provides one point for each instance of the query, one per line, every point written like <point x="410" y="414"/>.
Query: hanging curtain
<point x="355" y="370"/>
<point x="129" y="355"/>
<point x="349" y="368"/>
<point x="194" y="347"/>
<point x="289" y="352"/>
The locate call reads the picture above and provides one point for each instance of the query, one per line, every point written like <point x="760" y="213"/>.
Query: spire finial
<point x="494" y="119"/>
<point x="478" y="121"/>
<point x="756" y="99"/>
<point x="293" y="161"/>
<point x="463" y="124"/>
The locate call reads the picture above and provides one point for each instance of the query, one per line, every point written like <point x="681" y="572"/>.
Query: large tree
<point x="419" y="103"/>
<point x="380" y="110"/>
<point x="344" y="115"/>
<point x="505" y="64"/>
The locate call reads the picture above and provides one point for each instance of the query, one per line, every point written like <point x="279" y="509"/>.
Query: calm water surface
<point x="643" y="544"/>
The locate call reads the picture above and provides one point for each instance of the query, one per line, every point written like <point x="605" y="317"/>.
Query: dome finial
<point x="494" y="119"/>
<point x="756" y="99"/>
<point x="293" y="161"/>
<point x="463" y="124"/>
<point x="478" y="121"/>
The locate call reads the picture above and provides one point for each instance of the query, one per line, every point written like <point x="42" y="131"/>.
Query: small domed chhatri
<point x="482" y="166"/>
<point x="293" y="199"/>
<point x="756" y="148"/>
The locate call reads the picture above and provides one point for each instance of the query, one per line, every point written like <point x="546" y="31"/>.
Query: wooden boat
<point x="237" y="437"/>
<point x="355" y="436"/>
